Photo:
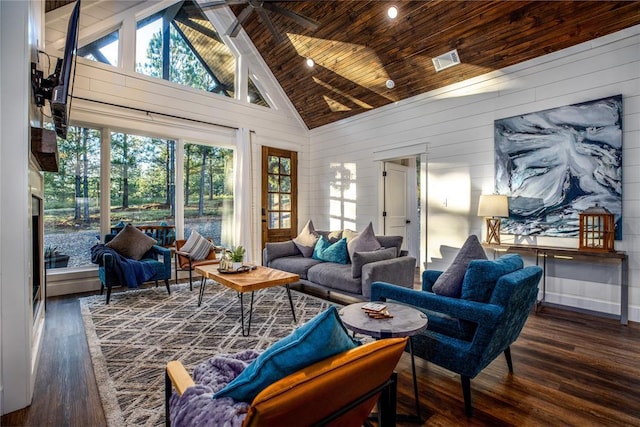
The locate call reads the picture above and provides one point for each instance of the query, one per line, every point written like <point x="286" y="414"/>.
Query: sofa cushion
<point x="335" y="276"/>
<point x="275" y="250"/>
<point x="131" y="242"/>
<point x="307" y="239"/>
<point x="331" y="236"/>
<point x="450" y="282"/>
<point x="349" y="234"/>
<point x="364" y="242"/>
<point x="319" y="338"/>
<point x="391" y="242"/>
<point x="294" y="264"/>
<point x="359" y="259"/>
<point x="482" y="275"/>
<point x="331" y="252"/>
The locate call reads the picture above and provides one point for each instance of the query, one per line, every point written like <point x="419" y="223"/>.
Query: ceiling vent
<point x="446" y="60"/>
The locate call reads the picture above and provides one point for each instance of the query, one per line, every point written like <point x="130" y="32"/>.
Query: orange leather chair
<point x="183" y="261"/>
<point x="338" y="391"/>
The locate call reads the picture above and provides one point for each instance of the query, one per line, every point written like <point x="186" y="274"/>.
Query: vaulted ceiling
<point x="357" y="48"/>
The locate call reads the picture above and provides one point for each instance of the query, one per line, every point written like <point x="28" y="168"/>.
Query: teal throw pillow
<point x="482" y="275"/>
<point x="321" y="337"/>
<point x="328" y="252"/>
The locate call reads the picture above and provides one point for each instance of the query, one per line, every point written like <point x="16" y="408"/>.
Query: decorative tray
<point x="243" y="269"/>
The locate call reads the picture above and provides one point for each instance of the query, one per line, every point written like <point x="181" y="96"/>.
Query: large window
<point x="142" y="180"/>
<point x="71" y="200"/>
<point x="142" y="191"/>
<point x="208" y="192"/>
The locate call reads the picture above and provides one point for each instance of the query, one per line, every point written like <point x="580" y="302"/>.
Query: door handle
<point x="408" y="221"/>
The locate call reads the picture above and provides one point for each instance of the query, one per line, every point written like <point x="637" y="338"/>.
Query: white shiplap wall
<point x="456" y="126"/>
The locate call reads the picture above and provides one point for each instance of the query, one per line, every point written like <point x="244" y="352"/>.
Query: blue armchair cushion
<point x="319" y="338"/>
<point x="482" y="275"/>
<point x="131" y="243"/>
<point x="331" y="252"/>
<point x="449" y="283"/>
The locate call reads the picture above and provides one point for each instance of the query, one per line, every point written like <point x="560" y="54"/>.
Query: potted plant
<point x="237" y="256"/>
<point x="54" y="259"/>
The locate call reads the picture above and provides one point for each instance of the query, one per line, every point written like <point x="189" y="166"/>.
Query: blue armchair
<point x="466" y="334"/>
<point x="158" y="258"/>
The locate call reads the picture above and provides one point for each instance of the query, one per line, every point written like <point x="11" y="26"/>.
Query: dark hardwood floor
<point x="570" y="369"/>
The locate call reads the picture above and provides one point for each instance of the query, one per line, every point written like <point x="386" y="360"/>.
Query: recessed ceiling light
<point x="392" y="12"/>
<point x="310" y="62"/>
<point x="390" y="84"/>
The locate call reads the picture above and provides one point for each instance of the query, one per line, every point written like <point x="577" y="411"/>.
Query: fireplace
<point x="37" y="264"/>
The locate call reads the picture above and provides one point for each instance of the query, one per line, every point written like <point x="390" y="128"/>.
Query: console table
<point x="569" y="254"/>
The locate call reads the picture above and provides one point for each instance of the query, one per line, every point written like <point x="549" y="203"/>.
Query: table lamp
<point x="492" y="207"/>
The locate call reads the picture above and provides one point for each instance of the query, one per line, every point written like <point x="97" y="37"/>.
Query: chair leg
<point x="387" y="403"/>
<point x="167" y="396"/>
<point x="108" y="293"/>
<point x="175" y="268"/>
<point x="190" y="279"/>
<point x="507" y="355"/>
<point x="466" y="392"/>
<point x="156" y="283"/>
<point x="101" y="288"/>
<point x="166" y="282"/>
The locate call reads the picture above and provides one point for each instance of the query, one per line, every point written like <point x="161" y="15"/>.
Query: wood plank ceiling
<point x="357" y="48"/>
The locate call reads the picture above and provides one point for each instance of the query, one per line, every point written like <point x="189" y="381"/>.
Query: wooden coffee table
<point x="250" y="281"/>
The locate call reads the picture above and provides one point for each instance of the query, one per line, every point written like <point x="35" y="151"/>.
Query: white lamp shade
<point x="493" y="205"/>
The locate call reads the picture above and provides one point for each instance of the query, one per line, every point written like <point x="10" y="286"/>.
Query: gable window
<point x="104" y="50"/>
<point x="255" y="96"/>
<point x="179" y="44"/>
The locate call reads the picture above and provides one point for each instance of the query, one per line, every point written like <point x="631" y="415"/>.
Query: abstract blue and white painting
<point x="554" y="164"/>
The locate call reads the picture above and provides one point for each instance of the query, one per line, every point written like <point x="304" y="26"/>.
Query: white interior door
<point x="395" y="213"/>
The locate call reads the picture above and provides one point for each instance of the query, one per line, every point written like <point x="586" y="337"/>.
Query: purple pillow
<point x="450" y="282"/>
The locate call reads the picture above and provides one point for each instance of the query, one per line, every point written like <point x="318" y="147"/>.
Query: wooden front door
<point x="279" y="195"/>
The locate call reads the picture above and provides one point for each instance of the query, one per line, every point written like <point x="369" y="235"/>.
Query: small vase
<point x="236" y="265"/>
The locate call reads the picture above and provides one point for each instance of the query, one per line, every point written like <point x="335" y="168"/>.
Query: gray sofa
<point x="353" y="279"/>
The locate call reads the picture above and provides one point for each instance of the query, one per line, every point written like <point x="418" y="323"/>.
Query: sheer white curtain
<point x="243" y="189"/>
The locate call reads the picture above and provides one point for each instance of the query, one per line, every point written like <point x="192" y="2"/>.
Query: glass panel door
<point x="279" y="195"/>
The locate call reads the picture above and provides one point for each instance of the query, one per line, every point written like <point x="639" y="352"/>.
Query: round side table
<point x="406" y="322"/>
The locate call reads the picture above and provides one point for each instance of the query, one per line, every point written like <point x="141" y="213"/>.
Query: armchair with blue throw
<point x="466" y="333"/>
<point x="130" y="258"/>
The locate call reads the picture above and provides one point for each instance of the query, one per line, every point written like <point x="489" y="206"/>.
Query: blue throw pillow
<point x="481" y="276"/>
<point x="336" y="252"/>
<point x="321" y="337"/>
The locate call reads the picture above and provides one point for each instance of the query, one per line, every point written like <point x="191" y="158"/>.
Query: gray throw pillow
<point x="359" y="259"/>
<point x="307" y="239"/>
<point x="450" y="282"/>
<point x="364" y="242"/>
<point x="131" y="243"/>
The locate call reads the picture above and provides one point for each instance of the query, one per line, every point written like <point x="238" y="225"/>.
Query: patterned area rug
<point x="132" y="339"/>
